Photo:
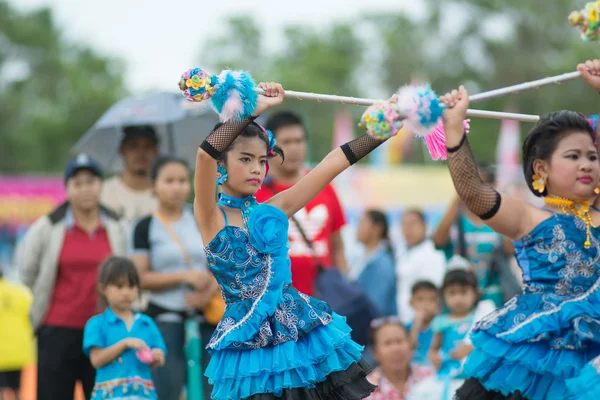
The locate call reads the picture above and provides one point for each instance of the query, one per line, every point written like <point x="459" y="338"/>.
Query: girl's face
<point x="460" y="299"/>
<point x="246" y="165"/>
<point x="413" y="229"/>
<point x="120" y="296"/>
<point x="391" y="348"/>
<point x="573" y="170"/>
<point x="366" y="230"/>
<point x="172" y="185"/>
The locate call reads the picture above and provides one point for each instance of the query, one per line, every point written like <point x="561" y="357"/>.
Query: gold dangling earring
<point x="597" y="190"/>
<point x="539" y="183"/>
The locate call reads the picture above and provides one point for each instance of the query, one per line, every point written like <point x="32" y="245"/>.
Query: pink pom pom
<point x="145" y="355"/>
<point x="436" y="141"/>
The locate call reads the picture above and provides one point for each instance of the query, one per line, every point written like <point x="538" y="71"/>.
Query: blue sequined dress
<point x="273" y="341"/>
<point x="545" y="343"/>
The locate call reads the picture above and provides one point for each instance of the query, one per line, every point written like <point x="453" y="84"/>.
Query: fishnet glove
<point x="356" y="149"/>
<point x="221" y="138"/>
<point x="483" y="200"/>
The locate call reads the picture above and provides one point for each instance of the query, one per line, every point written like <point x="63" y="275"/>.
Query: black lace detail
<point x="356" y="149"/>
<point x="221" y="138"/>
<point x="483" y="200"/>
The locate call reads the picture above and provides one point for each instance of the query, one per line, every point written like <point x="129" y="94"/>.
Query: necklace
<point x="580" y="209"/>
<point x="245" y="205"/>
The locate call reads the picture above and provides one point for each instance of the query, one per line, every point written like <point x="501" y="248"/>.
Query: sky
<point x="150" y="35"/>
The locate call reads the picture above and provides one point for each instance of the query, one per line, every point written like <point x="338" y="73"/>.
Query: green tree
<point x="56" y="92"/>
<point x="483" y="44"/>
<point x="539" y="42"/>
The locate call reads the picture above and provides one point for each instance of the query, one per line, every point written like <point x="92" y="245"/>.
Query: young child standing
<point x="425" y="301"/>
<point x="448" y="348"/>
<point x="123" y="345"/>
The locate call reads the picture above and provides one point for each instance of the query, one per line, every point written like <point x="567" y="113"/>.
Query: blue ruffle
<point x="586" y="386"/>
<point x="534" y="368"/>
<point x="304" y="363"/>
<point x="574" y="321"/>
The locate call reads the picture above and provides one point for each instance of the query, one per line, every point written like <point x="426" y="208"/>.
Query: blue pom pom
<point x="430" y="109"/>
<point x="235" y="97"/>
<point x="422" y="108"/>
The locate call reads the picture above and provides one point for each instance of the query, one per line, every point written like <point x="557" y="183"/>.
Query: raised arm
<point x="299" y="195"/>
<point x="205" y="187"/>
<point x="590" y="73"/>
<point x="206" y="211"/>
<point x="508" y="216"/>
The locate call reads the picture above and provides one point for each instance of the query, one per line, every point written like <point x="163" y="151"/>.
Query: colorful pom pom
<point x="436" y="141"/>
<point x="194" y="82"/>
<point x="421" y="107"/>
<point x="232" y="93"/>
<point x="381" y="120"/>
<point x="235" y="98"/>
<point x="588" y="21"/>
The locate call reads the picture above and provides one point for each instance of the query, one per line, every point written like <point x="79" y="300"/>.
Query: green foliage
<point x="59" y="89"/>
<point x="480" y="43"/>
<point x="55" y="90"/>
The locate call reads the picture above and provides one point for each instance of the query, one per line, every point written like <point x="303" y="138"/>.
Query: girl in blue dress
<point x="273" y="342"/>
<point x="545" y="343"/>
<point x="123" y="345"/>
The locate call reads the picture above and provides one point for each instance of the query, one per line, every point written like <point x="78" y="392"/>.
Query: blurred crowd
<point x="422" y="298"/>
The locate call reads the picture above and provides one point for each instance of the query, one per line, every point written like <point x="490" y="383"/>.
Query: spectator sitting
<point x="395" y="376"/>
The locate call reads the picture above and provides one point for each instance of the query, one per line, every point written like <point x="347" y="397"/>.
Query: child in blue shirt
<point x="448" y="348"/>
<point x="425" y="301"/>
<point x="123" y="345"/>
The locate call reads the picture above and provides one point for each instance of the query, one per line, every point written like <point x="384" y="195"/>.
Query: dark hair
<point x="542" y="141"/>
<point x="378" y="323"/>
<point x="250" y="131"/>
<point x="423" y="285"/>
<point x="460" y="277"/>
<point x="379" y="218"/>
<point x="163" y="160"/>
<point x="418" y="212"/>
<point x="283" y="119"/>
<point x="115" y="271"/>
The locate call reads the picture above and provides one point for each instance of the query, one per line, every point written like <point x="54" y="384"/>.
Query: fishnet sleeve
<point x="219" y="139"/>
<point x="356" y="149"/>
<point x="483" y="200"/>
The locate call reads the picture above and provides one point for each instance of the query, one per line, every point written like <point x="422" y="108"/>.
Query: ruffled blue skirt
<point x="534" y="369"/>
<point x="323" y="360"/>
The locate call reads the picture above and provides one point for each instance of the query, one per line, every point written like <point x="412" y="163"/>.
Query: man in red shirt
<point x="59" y="262"/>
<point x="321" y="220"/>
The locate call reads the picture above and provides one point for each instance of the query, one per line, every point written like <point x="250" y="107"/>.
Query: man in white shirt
<point x="130" y="194"/>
